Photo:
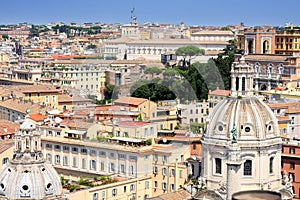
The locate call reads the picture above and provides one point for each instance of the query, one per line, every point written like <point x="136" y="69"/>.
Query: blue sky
<point x="192" y="12"/>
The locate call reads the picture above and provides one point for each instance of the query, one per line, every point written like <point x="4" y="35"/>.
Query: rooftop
<point x="130" y="100"/>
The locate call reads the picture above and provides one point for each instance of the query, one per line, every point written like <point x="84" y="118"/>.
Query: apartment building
<point x="170" y="171"/>
<point x="193" y="112"/>
<point x="288" y="115"/>
<point x="268" y="40"/>
<point x="272" y="71"/>
<point x="214" y="97"/>
<point x="290" y="164"/>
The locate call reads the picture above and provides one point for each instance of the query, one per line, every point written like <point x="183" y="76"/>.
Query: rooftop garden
<point x="85" y="183"/>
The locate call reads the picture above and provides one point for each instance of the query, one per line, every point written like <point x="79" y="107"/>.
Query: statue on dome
<point x="234" y="133"/>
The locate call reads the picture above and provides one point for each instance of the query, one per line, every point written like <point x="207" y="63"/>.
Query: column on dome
<point x="234" y="171"/>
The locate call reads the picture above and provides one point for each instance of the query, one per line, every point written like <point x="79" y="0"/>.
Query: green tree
<point x="188" y="52"/>
<point x="170" y="73"/>
<point x="110" y="91"/>
<point x="152" y="70"/>
<point x="5" y="36"/>
<point x="91" y="46"/>
<point x="142" y="92"/>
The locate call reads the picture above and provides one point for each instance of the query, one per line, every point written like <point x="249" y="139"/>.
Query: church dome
<point x="30" y="181"/>
<point x="27" y="175"/>
<point x="251" y="117"/>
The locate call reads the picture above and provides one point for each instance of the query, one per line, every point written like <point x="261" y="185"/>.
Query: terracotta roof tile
<point x="130" y="101"/>
<point x="220" y="92"/>
<point x="37" y="117"/>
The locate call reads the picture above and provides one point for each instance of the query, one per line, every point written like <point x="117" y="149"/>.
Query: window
<point x="125" y="134"/>
<point x="292" y="165"/>
<point x="180" y="174"/>
<point x="83" y="163"/>
<point x="4" y="161"/>
<point x="95" y="196"/>
<point x="271" y="165"/>
<point x="57" y="147"/>
<point x="292" y="150"/>
<point x="132" y="187"/>
<point x="132" y="157"/>
<point x="112" y="155"/>
<point x="93" y="152"/>
<point x="114" y="192"/>
<point x="53" y="98"/>
<point x="218" y="164"/>
<point x="112" y="167"/>
<point x="194" y="146"/>
<point x="131" y="170"/>
<point x="74" y="162"/>
<point x="48" y="157"/>
<point x="248" y="168"/>
<point x="125" y="189"/>
<point x="165" y="158"/>
<point x="92" y="164"/>
<point x="155" y="157"/>
<point x="155" y="184"/>
<point x="74" y="149"/>
<point x="46" y="99"/>
<point x="57" y="159"/>
<point x="146" y="184"/>
<point x="102" y="153"/>
<point x="122" y="168"/>
<point x="102" y="166"/>
<point x="155" y="170"/>
<point x="164" y="186"/>
<point x="164" y="171"/>
<point x="172" y="172"/>
<point x="65" y="160"/>
<point x="83" y="151"/>
<point x="172" y="187"/>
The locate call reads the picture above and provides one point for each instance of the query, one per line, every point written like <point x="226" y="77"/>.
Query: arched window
<point x="271" y="171"/>
<point x="248" y="168"/>
<point x="218" y="164"/>
<point x="257" y="69"/>
<point x="281" y="69"/>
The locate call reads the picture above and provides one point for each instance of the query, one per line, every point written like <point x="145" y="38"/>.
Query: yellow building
<point x="42" y="94"/>
<point x="288" y="41"/>
<point x="170" y="171"/>
<point x="145" y="107"/>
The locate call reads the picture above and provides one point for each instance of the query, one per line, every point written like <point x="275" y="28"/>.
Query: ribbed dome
<point x="252" y="118"/>
<point x="32" y="181"/>
<point x="27" y="175"/>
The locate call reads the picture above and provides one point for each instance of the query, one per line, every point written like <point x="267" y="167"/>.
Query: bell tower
<point x="27" y="142"/>
<point x="241" y="79"/>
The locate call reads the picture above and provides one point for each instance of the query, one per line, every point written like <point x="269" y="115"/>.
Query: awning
<point x="77" y="132"/>
<point x="125" y="139"/>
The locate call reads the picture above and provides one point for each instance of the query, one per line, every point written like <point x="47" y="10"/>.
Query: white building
<point x="241" y="148"/>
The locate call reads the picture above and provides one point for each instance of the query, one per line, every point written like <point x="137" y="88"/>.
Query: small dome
<point x="32" y="181"/>
<point x="27" y="125"/>
<point x="252" y="118"/>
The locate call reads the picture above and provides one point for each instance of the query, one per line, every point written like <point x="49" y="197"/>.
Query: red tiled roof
<point x="220" y="92"/>
<point x="131" y="123"/>
<point x="130" y="100"/>
<point x="37" y="117"/>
